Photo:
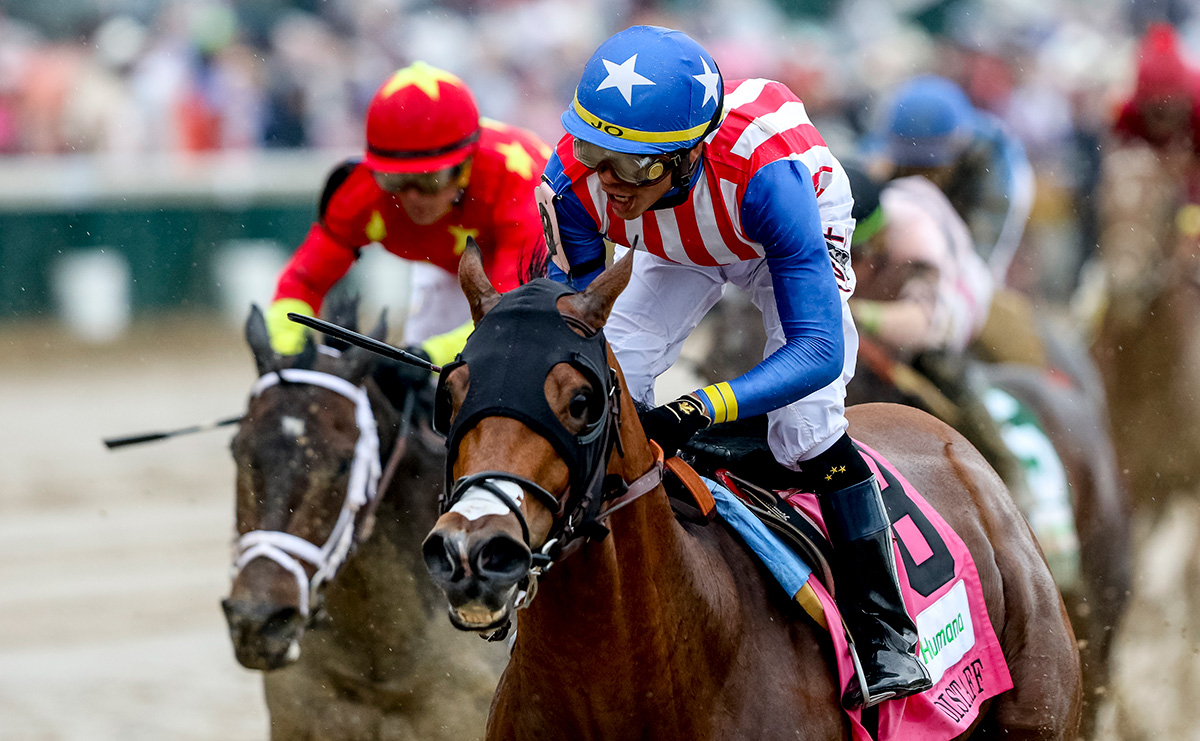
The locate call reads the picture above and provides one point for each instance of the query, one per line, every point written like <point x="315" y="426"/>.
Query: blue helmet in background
<point x="646" y="90"/>
<point x="930" y="123"/>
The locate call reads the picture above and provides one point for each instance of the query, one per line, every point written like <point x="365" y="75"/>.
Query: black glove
<point x="396" y="378"/>
<point x="673" y="424"/>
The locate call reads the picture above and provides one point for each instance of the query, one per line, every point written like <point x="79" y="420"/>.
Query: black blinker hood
<point x="510" y="354"/>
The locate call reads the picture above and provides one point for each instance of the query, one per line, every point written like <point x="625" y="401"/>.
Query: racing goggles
<point x="635" y="169"/>
<point x="429" y="183"/>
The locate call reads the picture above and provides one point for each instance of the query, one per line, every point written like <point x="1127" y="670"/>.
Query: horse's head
<point x="532" y="412"/>
<point x="307" y="457"/>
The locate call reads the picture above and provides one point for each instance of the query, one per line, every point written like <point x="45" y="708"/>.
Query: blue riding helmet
<point x="646" y="90"/>
<point x="930" y="123"/>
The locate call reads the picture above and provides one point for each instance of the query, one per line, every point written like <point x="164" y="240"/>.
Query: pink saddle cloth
<point x="941" y="590"/>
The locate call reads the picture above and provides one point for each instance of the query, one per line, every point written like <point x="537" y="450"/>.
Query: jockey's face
<point x="630" y="201"/>
<point x="1167" y="120"/>
<point x="425" y="197"/>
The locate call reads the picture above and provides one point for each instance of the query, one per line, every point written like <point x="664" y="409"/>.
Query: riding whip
<point x="363" y="341"/>
<point x="149" y="437"/>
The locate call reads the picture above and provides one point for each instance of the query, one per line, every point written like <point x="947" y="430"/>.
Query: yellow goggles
<point x="636" y="169"/>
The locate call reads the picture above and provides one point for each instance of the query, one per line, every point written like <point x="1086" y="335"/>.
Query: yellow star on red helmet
<point x="461" y="233"/>
<point x="423" y="76"/>
<point x="516" y="159"/>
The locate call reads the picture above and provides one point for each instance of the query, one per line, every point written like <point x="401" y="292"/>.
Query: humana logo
<point x="946" y="630"/>
<point x="931" y="646"/>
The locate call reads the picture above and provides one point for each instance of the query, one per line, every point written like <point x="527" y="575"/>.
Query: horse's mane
<point x="537" y="267"/>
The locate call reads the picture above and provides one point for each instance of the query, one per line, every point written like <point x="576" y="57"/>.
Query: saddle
<point x="737" y="455"/>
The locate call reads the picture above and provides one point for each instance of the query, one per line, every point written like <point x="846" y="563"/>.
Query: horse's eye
<point x="580" y="404"/>
<point x="343" y="467"/>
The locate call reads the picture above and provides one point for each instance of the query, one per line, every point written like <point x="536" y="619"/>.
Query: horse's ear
<point x="356" y="360"/>
<point x="474" y="281"/>
<point x="259" y="340"/>
<point x="594" y="304"/>
<point x="308" y="356"/>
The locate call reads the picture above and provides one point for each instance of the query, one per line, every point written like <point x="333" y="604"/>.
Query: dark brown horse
<point x="669" y="629"/>
<point x="1074" y="423"/>
<point x="1148" y="342"/>
<point x="329" y="596"/>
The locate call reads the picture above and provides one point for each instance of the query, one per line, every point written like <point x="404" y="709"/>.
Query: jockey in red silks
<point x="434" y="174"/>
<point x="714" y="182"/>
<point x="1164" y="109"/>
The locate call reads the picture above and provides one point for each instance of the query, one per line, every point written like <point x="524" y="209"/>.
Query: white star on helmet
<point x="709" y="81"/>
<point x="623" y="77"/>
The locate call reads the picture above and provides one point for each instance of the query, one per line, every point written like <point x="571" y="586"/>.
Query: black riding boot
<point x="868" y="595"/>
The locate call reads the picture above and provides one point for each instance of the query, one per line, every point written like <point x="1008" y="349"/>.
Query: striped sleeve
<point x="578" y="227"/>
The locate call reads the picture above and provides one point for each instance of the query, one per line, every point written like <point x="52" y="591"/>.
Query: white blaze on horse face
<point x="293" y="426"/>
<point x="479" y="502"/>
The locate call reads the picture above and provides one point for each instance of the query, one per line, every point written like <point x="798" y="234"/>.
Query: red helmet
<point x="423" y="119"/>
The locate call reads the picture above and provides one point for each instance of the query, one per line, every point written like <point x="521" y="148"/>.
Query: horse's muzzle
<point x="479" y="572"/>
<point x="265" y="636"/>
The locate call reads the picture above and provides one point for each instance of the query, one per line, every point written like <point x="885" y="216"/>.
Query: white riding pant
<point x="664" y="302"/>
<point x="436" y="303"/>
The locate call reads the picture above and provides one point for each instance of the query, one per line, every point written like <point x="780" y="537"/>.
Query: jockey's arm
<point x="578" y="235"/>
<point x="319" y="262"/>
<point x="916" y="249"/>
<point x="1012" y="167"/>
<point x="779" y="211"/>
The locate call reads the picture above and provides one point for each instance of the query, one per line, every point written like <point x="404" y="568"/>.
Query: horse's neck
<point x="650" y="593"/>
<point x="382" y="600"/>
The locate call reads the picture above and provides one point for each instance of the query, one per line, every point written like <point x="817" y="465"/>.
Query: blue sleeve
<point x="581" y="239"/>
<point x="779" y="211"/>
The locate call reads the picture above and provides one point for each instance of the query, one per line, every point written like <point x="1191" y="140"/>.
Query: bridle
<point x="512" y="386"/>
<point x="292" y="552"/>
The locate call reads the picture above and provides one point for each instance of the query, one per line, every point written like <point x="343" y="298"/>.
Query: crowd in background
<point x="193" y="76"/>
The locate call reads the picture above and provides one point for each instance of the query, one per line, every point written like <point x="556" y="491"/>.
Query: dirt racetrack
<point x="112" y="564"/>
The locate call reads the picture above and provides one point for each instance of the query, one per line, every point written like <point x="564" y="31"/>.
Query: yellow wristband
<point x="1187" y="220"/>
<point x="443" y="348"/>
<point x="724" y="404"/>
<point x="287" y="337"/>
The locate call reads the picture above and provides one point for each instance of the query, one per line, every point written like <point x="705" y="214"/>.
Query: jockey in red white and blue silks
<point x="755" y="198"/>
<point x="767" y="211"/>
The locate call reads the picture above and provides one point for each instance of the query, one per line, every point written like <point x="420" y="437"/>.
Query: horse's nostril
<point x="441" y="558"/>
<point x="503" y="558"/>
<point x="279" y="624"/>
<point x="264" y="619"/>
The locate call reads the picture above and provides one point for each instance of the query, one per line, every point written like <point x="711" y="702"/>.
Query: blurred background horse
<point x="1147" y="343"/>
<point x="329" y="597"/>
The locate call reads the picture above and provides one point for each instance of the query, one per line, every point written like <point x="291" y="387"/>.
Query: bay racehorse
<point x="1071" y="417"/>
<point x="336" y="486"/>
<point x="1148" y="344"/>
<point x="650" y="627"/>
